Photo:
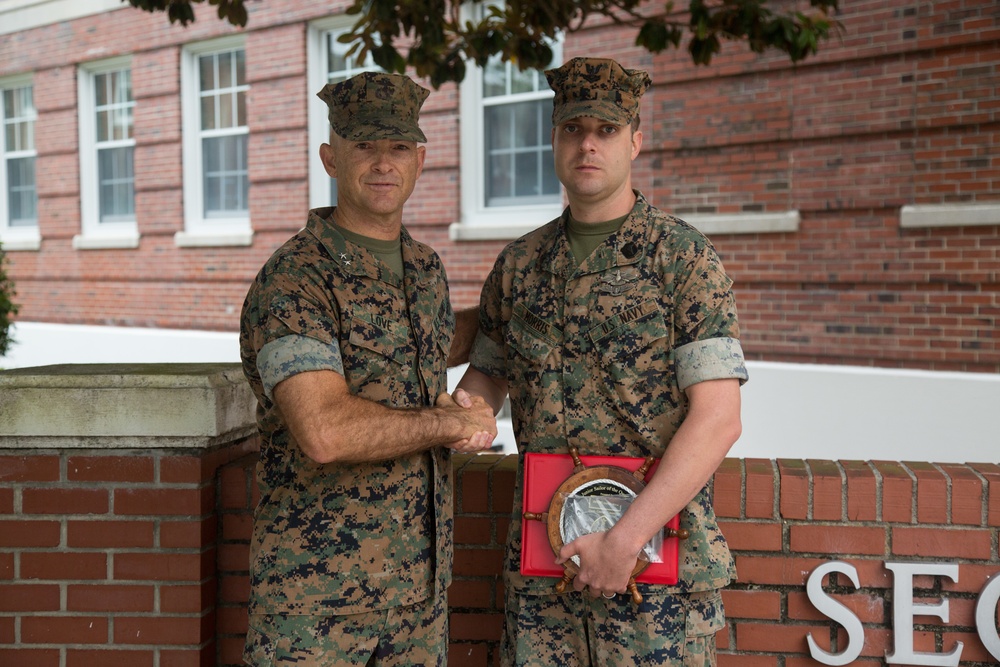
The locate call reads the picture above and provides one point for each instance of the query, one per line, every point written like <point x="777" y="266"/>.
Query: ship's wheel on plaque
<point x="591" y="499"/>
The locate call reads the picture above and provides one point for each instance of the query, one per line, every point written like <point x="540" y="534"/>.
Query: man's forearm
<point x="492" y="389"/>
<point x="693" y="455"/>
<point x="466" y="326"/>
<point x="374" y="432"/>
<point x="330" y="424"/>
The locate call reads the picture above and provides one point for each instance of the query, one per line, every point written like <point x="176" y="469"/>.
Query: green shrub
<point x="8" y="309"/>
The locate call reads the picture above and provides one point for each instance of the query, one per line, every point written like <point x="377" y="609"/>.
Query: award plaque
<point x="566" y="496"/>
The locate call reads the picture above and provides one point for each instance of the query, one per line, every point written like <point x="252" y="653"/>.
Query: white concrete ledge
<point x="17" y="241"/>
<point x="745" y="223"/>
<point x="737" y="223"/>
<point x="949" y="215"/>
<point x="106" y="241"/>
<point x="17" y="15"/>
<point x="124" y="405"/>
<point x="206" y="240"/>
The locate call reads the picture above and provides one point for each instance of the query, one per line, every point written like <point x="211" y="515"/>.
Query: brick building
<point x="150" y="169"/>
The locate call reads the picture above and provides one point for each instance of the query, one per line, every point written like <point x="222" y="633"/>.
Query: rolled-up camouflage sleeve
<point x="300" y="330"/>
<point x="708" y="346"/>
<point x="289" y="355"/>
<point x="710" y="359"/>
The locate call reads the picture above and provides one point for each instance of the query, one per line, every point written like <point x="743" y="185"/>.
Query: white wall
<point x="848" y="412"/>
<point x="793" y="411"/>
<point x="40" y="344"/>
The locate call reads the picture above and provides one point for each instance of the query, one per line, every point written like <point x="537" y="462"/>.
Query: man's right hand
<point x="477" y="420"/>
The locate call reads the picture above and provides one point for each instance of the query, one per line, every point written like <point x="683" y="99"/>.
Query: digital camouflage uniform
<point x="346" y="540"/>
<point x="598" y="356"/>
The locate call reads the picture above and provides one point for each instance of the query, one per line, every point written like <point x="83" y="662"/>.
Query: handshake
<point x="471" y="417"/>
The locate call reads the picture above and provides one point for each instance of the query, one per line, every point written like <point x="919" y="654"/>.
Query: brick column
<point x="108" y="511"/>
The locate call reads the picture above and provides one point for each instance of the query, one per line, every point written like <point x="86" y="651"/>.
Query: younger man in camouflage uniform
<point x="344" y="337"/>
<point x="614" y="328"/>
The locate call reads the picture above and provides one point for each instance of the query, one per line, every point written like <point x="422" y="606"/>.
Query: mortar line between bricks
<point x="948" y="489"/>
<point x="879" y="482"/>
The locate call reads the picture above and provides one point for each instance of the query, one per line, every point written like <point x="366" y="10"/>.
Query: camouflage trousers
<point x="576" y="630"/>
<point x="412" y="636"/>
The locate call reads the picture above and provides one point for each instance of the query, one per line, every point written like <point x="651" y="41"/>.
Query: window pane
<point x="223" y="103"/>
<point x="522" y="82"/>
<point x="208" y="113"/>
<point x="114" y="150"/>
<point x="241" y="109"/>
<point x="101" y="89"/>
<point x="499" y="128"/>
<point x="528" y="181"/>
<point x="519" y="167"/>
<point x="125" y="123"/>
<point x="226" y="183"/>
<point x="206" y="69"/>
<point x="103" y="126"/>
<point x="500" y="78"/>
<point x="528" y="126"/>
<point x="19" y="119"/>
<point x="116" y="184"/>
<point x="225" y="69"/>
<point x="335" y="51"/>
<point x="241" y="67"/>
<point x="21" y="196"/>
<point x="495" y="78"/>
<point x="499" y="178"/>
<point x="339" y="66"/>
<point x="226" y="110"/>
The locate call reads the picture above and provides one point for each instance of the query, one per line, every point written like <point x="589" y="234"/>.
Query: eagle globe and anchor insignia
<point x="586" y="503"/>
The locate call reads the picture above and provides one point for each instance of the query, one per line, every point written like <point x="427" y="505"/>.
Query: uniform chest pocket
<point x="633" y="337"/>
<point x="633" y="351"/>
<point x="380" y="340"/>
<point x="529" y="336"/>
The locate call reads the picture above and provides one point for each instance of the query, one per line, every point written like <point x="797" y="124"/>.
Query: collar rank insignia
<point x="618" y="283"/>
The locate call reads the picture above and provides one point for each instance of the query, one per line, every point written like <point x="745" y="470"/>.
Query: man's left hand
<point x="605" y="566"/>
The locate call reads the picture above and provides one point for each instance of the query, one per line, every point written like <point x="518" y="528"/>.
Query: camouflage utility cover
<point x="348" y="538"/>
<point x="375" y="105"/>
<point x="599" y="355"/>
<point x="596" y="88"/>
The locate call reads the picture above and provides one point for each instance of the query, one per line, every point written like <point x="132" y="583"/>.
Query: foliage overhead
<point x="436" y="38"/>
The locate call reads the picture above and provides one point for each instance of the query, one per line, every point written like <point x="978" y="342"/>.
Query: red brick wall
<point x="130" y="557"/>
<point x="901" y="108"/>
<point x="111" y="557"/>
<point x="782" y="520"/>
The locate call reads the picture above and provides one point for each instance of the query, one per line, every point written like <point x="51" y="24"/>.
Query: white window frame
<point x="27" y="237"/>
<point x="319" y="124"/>
<point x="477" y="220"/>
<point x="199" y="230"/>
<point x="93" y="232"/>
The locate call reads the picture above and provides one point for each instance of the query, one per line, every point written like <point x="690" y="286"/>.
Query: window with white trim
<point x="107" y="156"/>
<point x="216" y="138"/>
<point x="328" y="63"/>
<point x="19" y="199"/>
<point x="509" y="185"/>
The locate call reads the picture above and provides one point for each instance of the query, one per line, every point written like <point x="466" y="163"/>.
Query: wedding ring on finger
<point x="608" y="597"/>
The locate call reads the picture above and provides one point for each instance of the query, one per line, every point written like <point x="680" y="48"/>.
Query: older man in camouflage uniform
<point x="344" y="337"/>
<point x="614" y="328"/>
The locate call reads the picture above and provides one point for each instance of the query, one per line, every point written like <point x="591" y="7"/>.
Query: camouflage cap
<point x="375" y="105"/>
<point x="596" y="88"/>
